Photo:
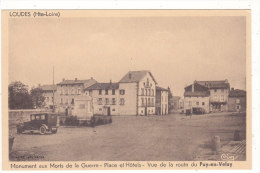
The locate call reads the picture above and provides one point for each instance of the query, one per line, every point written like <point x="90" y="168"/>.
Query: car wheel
<point x="54" y="131"/>
<point x="42" y="130"/>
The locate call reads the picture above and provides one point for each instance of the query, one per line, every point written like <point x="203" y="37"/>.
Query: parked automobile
<point x="198" y="110"/>
<point x="42" y="122"/>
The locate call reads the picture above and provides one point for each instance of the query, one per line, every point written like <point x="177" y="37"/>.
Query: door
<point x="108" y="111"/>
<point x="145" y="110"/>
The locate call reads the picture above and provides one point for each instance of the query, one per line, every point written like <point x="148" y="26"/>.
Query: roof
<point x="197" y="94"/>
<point x="161" y="89"/>
<point x="237" y="93"/>
<point x="103" y="86"/>
<point x="48" y="87"/>
<point x="135" y="76"/>
<point x="86" y="83"/>
<point x="221" y="84"/>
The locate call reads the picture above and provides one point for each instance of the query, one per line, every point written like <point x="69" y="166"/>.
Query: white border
<point x="254" y="5"/>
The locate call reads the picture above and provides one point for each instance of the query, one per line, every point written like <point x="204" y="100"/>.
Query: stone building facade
<point x="139" y="89"/>
<point x="196" y="96"/>
<point x="69" y="90"/>
<point x="219" y="92"/>
<point x="162" y="101"/>
<point x="48" y="94"/>
<point x="237" y="101"/>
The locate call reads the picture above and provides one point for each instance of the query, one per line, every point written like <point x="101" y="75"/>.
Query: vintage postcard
<point x="126" y="89"/>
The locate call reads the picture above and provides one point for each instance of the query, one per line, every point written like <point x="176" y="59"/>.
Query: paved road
<point x="138" y="138"/>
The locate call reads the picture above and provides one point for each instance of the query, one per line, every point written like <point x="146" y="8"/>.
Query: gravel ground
<point x="172" y="137"/>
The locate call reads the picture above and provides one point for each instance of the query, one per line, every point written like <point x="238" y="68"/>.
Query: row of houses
<point x="213" y="96"/>
<point x="137" y="93"/>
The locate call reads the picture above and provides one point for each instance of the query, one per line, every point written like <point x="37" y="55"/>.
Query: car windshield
<point x="43" y="117"/>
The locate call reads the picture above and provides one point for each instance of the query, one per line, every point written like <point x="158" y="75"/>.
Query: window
<point x="122" y="101"/>
<point x="142" y="91"/>
<point x="79" y="91"/>
<point x="113" y="92"/>
<point x="43" y="117"/>
<point x="144" y="83"/>
<point x="203" y="103"/>
<point x="51" y="99"/>
<point x="152" y="92"/>
<point x="190" y="103"/>
<point x="66" y="91"/>
<point x="237" y="101"/>
<point x="61" y="100"/>
<point x="72" y="91"/>
<point x="149" y="92"/>
<point x="61" y="91"/>
<point x="149" y="102"/>
<point x="122" y="92"/>
<point x="152" y="101"/>
<point x="100" y="101"/>
<point x="215" y="97"/>
<point x="146" y="92"/>
<point x="90" y="92"/>
<point x="107" y="101"/>
<point x="113" y="110"/>
<point x="100" y="92"/>
<point x="106" y="92"/>
<point x="142" y="101"/>
<point x="222" y="90"/>
<point x="215" y="90"/>
<point x="222" y="98"/>
<point x="37" y="117"/>
<point x="33" y="117"/>
<point x="197" y="103"/>
<point x="47" y="99"/>
<point x="72" y="101"/>
<point x="113" y="101"/>
<point x="100" y="109"/>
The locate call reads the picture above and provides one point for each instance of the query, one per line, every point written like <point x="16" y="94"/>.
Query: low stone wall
<point x="19" y="116"/>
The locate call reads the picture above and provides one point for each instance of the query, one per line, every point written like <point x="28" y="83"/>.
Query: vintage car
<point x="198" y="110"/>
<point x="42" y="122"/>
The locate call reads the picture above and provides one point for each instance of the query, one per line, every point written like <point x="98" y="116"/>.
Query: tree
<point x="18" y="96"/>
<point x="37" y="97"/>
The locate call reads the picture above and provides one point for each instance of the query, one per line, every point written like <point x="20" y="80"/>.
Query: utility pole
<point x="53" y="106"/>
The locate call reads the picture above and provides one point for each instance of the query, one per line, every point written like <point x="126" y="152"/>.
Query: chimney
<point x="76" y="79"/>
<point x="63" y="79"/>
<point x="91" y="78"/>
<point x="130" y="75"/>
<point x="192" y="88"/>
<point x="110" y="82"/>
<point x="232" y="89"/>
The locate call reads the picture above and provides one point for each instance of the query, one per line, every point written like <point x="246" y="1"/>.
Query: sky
<point x="177" y="50"/>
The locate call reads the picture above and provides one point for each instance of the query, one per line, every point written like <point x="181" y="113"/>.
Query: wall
<point x="99" y="108"/>
<point x="218" y="95"/>
<point x="67" y="98"/>
<point x="130" y="96"/>
<point x="164" y="102"/>
<point x="22" y="115"/>
<point x="194" y="101"/>
<point x="83" y="108"/>
<point x="232" y="104"/>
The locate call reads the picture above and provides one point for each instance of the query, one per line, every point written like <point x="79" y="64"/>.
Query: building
<point x="175" y="101"/>
<point x="196" y="96"/>
<point x="219" y="92"/>
<point x="161" y="101"/>
<point x="48" y="94"/>
<point x="106" y="98"/>
<point x="137" y="92"/>
<point x="237" y="100"/>
<point x="68" y="91"/>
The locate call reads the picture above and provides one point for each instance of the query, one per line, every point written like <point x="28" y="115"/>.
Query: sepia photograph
<point x="128" y="85"/>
